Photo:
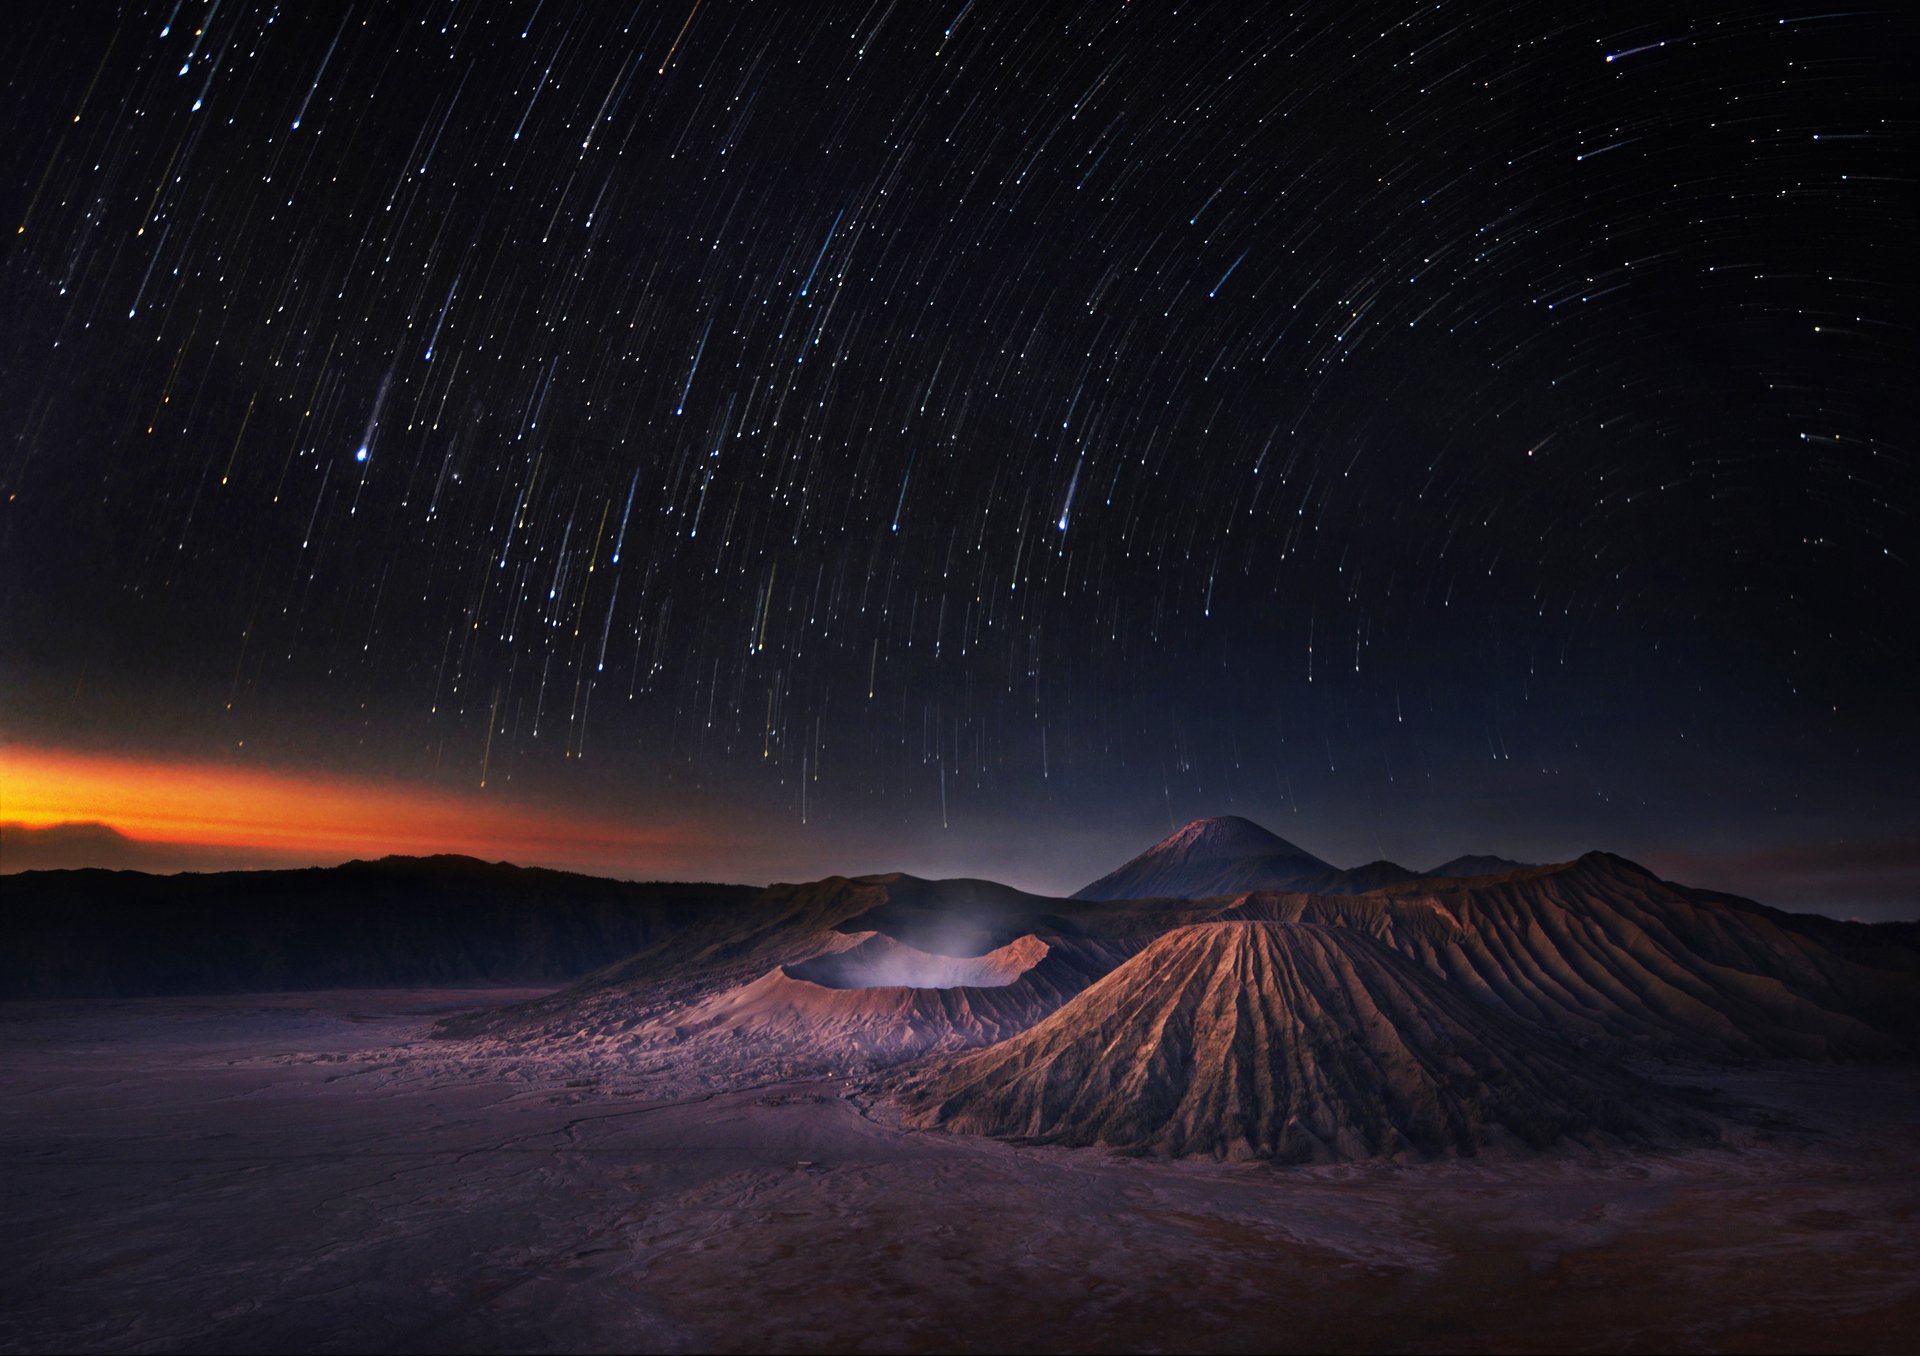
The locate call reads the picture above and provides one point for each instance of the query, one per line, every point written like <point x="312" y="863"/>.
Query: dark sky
<point x="975" y="437"/>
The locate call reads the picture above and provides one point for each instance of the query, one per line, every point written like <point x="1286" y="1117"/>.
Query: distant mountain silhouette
<point x="1471" y="865"/>
<point x="397" y="921"/>
<point x="56" y="847"/>
<point x="1358" y="880"/>
<point x="1229" y="855"/>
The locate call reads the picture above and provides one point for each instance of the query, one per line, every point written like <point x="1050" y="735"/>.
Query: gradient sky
<point x="745" y="445"/>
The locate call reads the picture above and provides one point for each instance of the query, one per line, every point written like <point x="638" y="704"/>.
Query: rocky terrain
<point x="316" y="1172"/>
<point x="1520" y="1010"/>
<point x="1571" y="1106"/>
<point x="1296" y="1042"/>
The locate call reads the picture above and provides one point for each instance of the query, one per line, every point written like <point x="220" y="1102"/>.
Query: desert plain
<point x="318" y="1171"/>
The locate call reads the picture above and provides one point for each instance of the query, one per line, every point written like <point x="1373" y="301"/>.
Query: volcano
<point x="1428" y="1016"/>
<point x="1598" y="954"/>
<point x="1209" y="857"/>
<point x="871" y="1001"/>
<point x="1294" y="1042"/>
<point x="1609" y="955"/>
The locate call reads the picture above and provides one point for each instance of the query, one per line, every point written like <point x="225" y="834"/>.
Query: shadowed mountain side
<point x="1472" y="865"/>
<point x="962" y="916"/>
<point x="1604" y="951"/>
<point x="396" y="921"/>
<point x="1294" y="1042"/>
<point x="1361" y="879"/>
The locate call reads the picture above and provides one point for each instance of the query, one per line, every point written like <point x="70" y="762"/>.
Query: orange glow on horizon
<point x="209" y="805"/>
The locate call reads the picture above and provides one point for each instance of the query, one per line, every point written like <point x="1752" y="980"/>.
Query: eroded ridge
<point x="1294" y="1042"/>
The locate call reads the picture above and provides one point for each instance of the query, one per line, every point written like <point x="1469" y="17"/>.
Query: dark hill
<point x="1481" y="865"/>
<point x="397" y="921"/>
<point x="1359" y="880"/>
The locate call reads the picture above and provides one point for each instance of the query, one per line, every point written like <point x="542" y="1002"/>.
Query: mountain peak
<point x="1225" y="836"/>
<point x="1222" y="855"/>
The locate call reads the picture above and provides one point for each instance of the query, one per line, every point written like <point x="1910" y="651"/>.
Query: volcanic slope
<point x="1598" y="950"/>
<point x="1611" y="956"/>
<point x="721" y="948"/>
<point x="818" y="977"/>
<point x="1294" y="1042"/>
<point x="1229" y="855"/>
<point x="871" y="1001"/>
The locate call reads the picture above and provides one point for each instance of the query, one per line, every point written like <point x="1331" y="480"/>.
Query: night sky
<point x="972" y="438"/>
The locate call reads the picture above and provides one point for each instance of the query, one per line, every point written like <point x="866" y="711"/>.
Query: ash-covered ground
<point x="313" y="1172"/>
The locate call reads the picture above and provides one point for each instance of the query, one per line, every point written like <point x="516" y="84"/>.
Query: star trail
<point x="994" y="430"/>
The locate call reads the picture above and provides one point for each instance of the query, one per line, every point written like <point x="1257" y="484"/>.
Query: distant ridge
<point x="1359" y="880"/>
<point x="1230" y="855"/>
<point x="1471" y="865"/>
<point x="367" y="924"/>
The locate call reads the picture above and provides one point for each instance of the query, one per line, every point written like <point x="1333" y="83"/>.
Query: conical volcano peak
<point x="1216" y="856"/>
<point x="1227" y="836"/>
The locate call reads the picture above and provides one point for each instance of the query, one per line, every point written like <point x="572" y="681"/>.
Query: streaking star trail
<point x="997" y="423"/>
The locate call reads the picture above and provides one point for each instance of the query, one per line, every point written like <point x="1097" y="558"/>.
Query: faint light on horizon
<point x="181" y="802"/>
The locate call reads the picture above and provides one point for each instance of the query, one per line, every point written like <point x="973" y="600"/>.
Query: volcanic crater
<point x="877" y="961"/>
<point x="1520" y="1010"/>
